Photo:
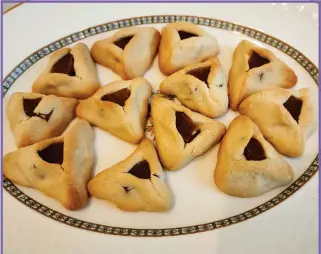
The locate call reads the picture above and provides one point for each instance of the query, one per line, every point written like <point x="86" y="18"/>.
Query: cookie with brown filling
<point x="182" y="44"/>
<point x="255" y="69"/>
<point x="120" y="108"/>
<point x="59" y="167"/>
<point x="129" y="52"/>
<point x="35" y="117"/>
<point x="285" y="118"/>
<point x="201" y="87"/>
<point x="70" y="72"/>
<point x="247" y="165"/>
<point x="181" y="134"/>
<point x="136" y="183"/>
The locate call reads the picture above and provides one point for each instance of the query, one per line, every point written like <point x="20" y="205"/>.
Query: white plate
<point x="199" y="205"/>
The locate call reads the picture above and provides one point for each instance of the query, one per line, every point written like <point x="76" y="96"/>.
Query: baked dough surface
<point x="81" y="86"/>
<point x="276" y="123"/>
<point x="125" y="122"/>
<point x="65" y="181"/>
<point x="245" y="80"/>
<point x="175" y="52"/>
<point x="201" y="87"/>
<point x="129" y="60"/>
<point x="137" y="191"/>
<point x="35" y="117"/>
<point x="236" y="175"/>
<point x="174" y="153"/>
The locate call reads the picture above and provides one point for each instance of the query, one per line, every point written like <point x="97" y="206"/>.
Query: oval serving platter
<point x="198" y="204"/>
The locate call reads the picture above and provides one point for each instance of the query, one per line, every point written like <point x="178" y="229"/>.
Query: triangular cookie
<point x="129" y="52"/>
<point x="59" y="167"/>
<point x="183" y="43"/>
<point x="34" y="117"/>
<point x="70" y="72"/>
<point x="119" y="108"/>
<point x="149" y="126"/>
<point x="285" y="118"/>
<point x="201" y="87"/>
<point x="255" y="69"/>
<point x="134" y="184"/>
<point x="181" y="134"/>
<point x="247" y="165"/>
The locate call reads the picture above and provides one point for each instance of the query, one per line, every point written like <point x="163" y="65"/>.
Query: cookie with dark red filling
<point x="129" y="52"/>
<point x="201" y="87"/>
<point x="59" y="167"/>
<point x="70" y="72"/>
<point x="247" y="165"/>
<point x="181" y="134"/>
<point x="136" y="183"/>
<point x="182" y="44"/>
<point x="285" y="118"/>
<point x="255" y="69"/>
<point x="35" y="117"/>
<point x="120" y="108"/>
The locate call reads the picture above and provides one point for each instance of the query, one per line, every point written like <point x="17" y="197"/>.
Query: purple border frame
<point x="1" y="136"/>
<point x="146" y="1"/>
<point x="161" y="1"/>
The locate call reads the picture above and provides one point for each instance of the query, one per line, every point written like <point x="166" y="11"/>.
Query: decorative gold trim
<point x="11" y="8"/>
